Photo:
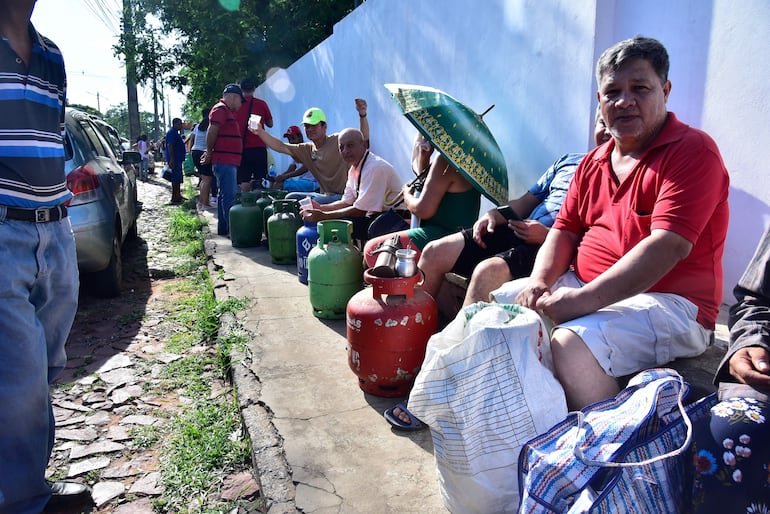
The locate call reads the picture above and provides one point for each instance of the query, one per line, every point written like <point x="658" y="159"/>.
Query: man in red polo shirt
<point x="224" y="144"/>
<point x="253" y="165"/>
<point x="631" y="272"/>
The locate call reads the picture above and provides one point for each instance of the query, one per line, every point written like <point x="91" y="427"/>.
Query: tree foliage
<point x="210" y="44"/>
<point x="117" y="116"/>
<point x="86" y="108"/>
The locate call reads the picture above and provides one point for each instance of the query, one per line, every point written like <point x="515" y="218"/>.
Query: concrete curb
<point x="271" y="469"/>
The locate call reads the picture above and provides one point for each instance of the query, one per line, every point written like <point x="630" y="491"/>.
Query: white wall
<point x="534" y="59"/>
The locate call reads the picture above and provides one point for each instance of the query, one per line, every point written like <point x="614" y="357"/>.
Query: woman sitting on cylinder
<point x="446" y="203"/>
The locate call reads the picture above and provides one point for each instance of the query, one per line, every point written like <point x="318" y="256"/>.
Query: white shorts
<point x="640" y="332"/>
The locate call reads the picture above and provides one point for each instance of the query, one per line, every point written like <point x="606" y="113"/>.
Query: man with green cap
<point x="321" y="156"/>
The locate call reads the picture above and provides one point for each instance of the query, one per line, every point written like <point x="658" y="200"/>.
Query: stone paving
<point x="109" y="402"/>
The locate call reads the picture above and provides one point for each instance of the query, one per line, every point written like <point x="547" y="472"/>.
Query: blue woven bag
<point x="627" y="454"/>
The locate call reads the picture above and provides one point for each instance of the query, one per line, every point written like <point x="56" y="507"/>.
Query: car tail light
<point x="84" y="185"/>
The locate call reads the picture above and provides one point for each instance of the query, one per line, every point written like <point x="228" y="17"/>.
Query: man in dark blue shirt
<point x="176" y="152"/>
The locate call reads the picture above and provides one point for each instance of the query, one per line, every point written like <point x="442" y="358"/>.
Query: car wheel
<point x="133" y="230"/>
<point x="106" y="283"/>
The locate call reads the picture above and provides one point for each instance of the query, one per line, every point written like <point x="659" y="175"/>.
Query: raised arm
<point x="363" y="122"/>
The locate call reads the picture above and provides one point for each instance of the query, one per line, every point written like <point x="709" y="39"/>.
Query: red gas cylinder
<point x="388" y="327"/>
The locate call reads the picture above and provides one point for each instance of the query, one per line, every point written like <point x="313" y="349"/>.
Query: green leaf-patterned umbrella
<point x="459" y="134"/>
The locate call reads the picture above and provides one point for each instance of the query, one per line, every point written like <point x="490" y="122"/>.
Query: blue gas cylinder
<point x="307" y="237"/>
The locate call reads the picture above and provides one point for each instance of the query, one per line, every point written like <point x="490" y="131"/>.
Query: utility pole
<point x="163" y="107"/>
<point x="134" y="128"/>
<point x="155" y="128"/>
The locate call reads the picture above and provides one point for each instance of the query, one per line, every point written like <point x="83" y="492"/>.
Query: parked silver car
<point x="104" y="209"/>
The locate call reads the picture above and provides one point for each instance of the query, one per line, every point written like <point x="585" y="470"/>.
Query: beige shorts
<point x="640" y="332"/>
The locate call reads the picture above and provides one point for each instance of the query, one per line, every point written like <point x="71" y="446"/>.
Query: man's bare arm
<point x="634" y="273"/>
<point x="271" y="141"/>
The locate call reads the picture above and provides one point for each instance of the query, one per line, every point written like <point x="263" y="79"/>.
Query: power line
<point x="108" y="12"/>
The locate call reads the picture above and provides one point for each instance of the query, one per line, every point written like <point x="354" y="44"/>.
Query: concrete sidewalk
<point x="320" y="444"/>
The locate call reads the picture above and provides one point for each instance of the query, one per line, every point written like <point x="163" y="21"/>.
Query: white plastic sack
<point x="485" y="388"/>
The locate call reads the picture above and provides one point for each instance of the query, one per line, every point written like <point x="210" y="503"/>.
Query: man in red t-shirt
<point x="631" y="272"/>
<point x="254" y="158"/>
<point x="224" y="144"/>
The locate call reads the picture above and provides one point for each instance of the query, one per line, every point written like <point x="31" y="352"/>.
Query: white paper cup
<point x="306" y="203"/>
<point x="254" y="121"/>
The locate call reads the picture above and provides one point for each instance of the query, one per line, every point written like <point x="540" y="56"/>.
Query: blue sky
<point x="95" y="76"/>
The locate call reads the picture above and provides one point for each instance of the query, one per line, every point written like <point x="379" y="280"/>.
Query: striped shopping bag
<point x="627" y="454"/>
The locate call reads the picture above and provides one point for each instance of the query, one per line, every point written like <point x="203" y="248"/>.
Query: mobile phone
<point x="508" y="213"/>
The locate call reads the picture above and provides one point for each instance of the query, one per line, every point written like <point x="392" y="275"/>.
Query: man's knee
<point x="580" y="374"/>
<point x="492" y="268"/>
<point x="487" y="276"/>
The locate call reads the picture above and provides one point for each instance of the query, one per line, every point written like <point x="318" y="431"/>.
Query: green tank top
<point x="456" y="211"/>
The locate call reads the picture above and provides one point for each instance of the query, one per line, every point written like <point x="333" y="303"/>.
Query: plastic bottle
<point x="271" y="171"/>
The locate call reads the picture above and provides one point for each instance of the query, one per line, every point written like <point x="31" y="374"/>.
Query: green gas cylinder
<point x="282" y="231"/>
<point x="265" y="201"/>
<point x="277" y="194"/>
<point x="335" y="269"/>
<point x="246" y="221"/>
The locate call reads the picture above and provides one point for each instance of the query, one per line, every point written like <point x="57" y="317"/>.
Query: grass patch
<point x="201" y="448"/>
<point x="204" y="443"/>
<point x="180" y="342"/>
<point x="185" y="227"/>
<point x="193" y="373"/>
<point x="225" y="349"/>
<point x="144" y="437"/>
<point x="185" y="232"/>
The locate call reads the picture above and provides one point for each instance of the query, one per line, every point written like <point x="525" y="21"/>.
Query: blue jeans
<point x="38" y="301"/>
<point x="319" y="198"/>
<point x="226" y="175"/>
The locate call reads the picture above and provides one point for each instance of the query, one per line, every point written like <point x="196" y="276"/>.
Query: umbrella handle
<point x="400" y="196"/>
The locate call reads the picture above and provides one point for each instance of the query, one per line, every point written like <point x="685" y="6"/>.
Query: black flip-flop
<point x="397" y="423"/>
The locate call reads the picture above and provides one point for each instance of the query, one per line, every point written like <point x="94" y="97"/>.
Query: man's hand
<point x="486" y="224"/>
<point x="312" y="214"/>
<point x="751" y="366"/>
<point x="260" y="129"/>
<point x="206" y="157"/>
<point x="361" y="107"/>
<point x="564" y="304"/>
<point x="530" y="231"/>
<point x="529" y="296"/>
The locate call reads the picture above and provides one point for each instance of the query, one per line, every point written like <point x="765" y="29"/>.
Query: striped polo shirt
<point x="229" y="143"/>
<point x="32" y="125"/>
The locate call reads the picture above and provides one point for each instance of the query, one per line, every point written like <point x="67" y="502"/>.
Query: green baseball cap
<point x="313" y="116"/>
